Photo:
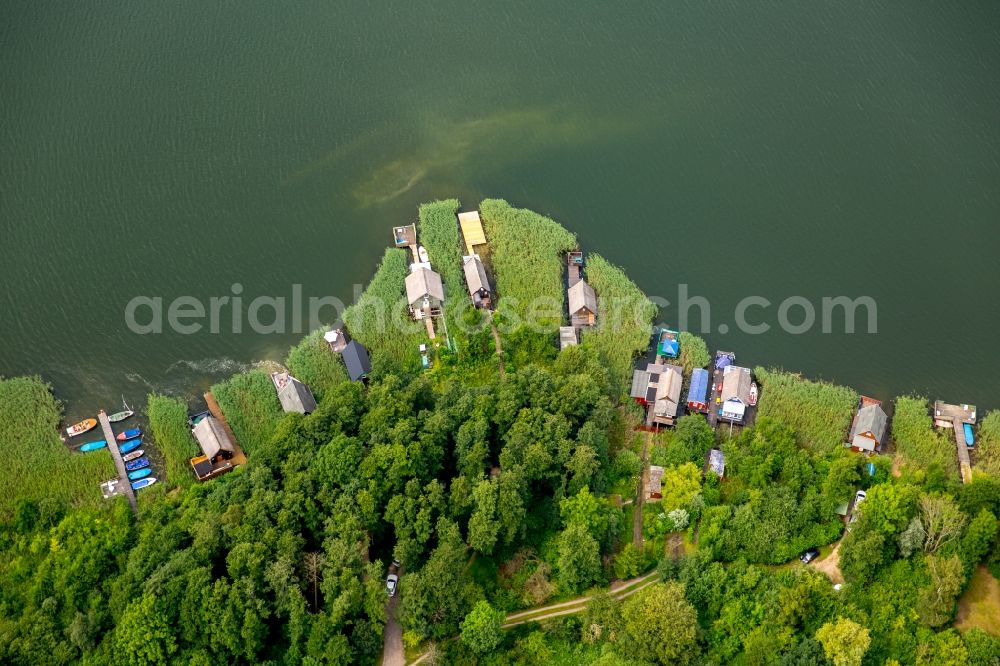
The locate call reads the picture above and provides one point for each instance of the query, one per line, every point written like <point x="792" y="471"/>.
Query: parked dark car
<point x="809" y="555"/>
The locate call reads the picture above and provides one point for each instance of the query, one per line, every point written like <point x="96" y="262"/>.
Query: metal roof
<point x="296" y="397"/>
<point x="212" y="437"/>
<point x="421" y="283"/>
<point x="475" y="274"/>
<point x="356" y="359"/>
<point x="871" y="418"/>
<point x="698" y="392"/>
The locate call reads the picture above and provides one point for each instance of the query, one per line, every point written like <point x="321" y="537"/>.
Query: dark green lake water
<point x="765" y="148"/>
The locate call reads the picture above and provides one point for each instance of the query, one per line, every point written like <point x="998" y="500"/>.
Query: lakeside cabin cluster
<point x="724" y="392"/>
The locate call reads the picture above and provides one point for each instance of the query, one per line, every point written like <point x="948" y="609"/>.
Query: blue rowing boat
<point x="130" y="445"/>
<point x="139" y="474"/>
<point x="137" y="464"/>
<point x="142" y="483"/>
<point x="129" y="434"/>
<point x="93" y="446"/>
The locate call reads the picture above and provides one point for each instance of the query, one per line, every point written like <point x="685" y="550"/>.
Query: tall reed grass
<point x="37" y="464"/>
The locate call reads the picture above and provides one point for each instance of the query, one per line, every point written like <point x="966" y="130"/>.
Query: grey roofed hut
<point x="424" y="283"/>
<point x="212" y="439"/>
<point x="868" y="430"/>
<point x="356" y="359"/>
<point x="296" y="397"/>
<point x="477" y="281"/>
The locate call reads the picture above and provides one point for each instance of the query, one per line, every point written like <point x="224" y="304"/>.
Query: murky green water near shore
<point x="771" y="149"/>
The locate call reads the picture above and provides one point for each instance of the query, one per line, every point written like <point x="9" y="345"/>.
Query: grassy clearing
<point x="694" y="352"/>
<point x="919" y="444"/>
<point x="987" y="450"/>
<point x="979" y="606"/>
<point x="380" y="319"/>
<point x="527" y="253"/>
<point x="168" y="423"/>
<point x="819" y="412"/>
<point x="250" y="405"/>
<point x="625" y="319"/>
<point x="37" y="464"/>
<point x="312" y="362"/>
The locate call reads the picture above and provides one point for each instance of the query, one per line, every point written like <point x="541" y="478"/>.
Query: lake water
<point x="769" y="148"/>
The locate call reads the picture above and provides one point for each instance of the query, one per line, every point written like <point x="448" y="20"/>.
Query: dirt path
<point x="393" y="653"/>
<point x="640" y="496"/>
<point x="830" y="565"/>
<point x="618" y="590"/>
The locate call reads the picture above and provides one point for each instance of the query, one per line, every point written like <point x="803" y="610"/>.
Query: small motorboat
<point x="130" y="445"/>
<point x="133" y="455"/>
<point x="753" y="394"/>
<point x="422" y="255"/>
<point x="142" y="483"/>
<point x="81" y="427"/>
<point x="139" y="474"/>
<point x="122" y="415"/>
<point x="129" y="434"/>
<point x="138" y="463"/>
<point x="93" y="446"/>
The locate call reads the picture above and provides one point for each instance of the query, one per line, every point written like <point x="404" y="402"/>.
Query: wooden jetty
<point x="955" y="417"/>
<point x="124" y="485"/>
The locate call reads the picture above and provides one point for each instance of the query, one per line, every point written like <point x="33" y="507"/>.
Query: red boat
<point x="753" y="394"/>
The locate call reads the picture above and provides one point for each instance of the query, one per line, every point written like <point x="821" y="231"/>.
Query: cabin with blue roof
<point x="668" y="345"/>
<point x="697" y="399"/>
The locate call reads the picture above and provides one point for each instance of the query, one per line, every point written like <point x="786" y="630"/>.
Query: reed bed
<point x="625" y="318"/>
<point x="37" y="463"/>
<point x="380" y="319"/>
<point x="917" y="441"/>
<point x="819" y="412"/>
<point x="250" y="405"/>
<point x="168" y="424"/>
<point x="527" y="251"/>
<point x="987" y="451"/>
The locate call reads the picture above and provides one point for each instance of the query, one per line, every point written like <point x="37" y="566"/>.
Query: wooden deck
<point x="957" y="416"/>
<point x="124" y="485"/>
<point x="964" y="464"/>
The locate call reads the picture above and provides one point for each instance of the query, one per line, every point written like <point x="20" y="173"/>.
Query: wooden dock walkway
<point x="964" y="464"/>
<point x="109" y="437"/>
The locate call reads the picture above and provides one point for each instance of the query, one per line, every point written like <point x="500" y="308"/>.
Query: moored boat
<point x="133" y="455"/>
<point x="122" y="415"/>
<point x="142" y="483"/>
<point x="422" y="255"/>
<point x="139" y="463"/>
<point x="129" y="445"/>
<point x="81" y="427"/>
<point x="753" y="394"/>
<point x="129" y="434"/>
<point x="93" y="446"/>
<point x="139" y="474"/>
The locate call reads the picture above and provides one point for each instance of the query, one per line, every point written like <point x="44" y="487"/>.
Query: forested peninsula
<point x="499" y="475"/>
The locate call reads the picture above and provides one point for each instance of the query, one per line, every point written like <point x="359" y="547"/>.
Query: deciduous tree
<point x="660" y="626"/>
<point x="845" y="642"/>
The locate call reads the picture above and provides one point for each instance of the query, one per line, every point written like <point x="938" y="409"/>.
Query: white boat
<point x="422" y="253"/>
<point x="753" y="394"/>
